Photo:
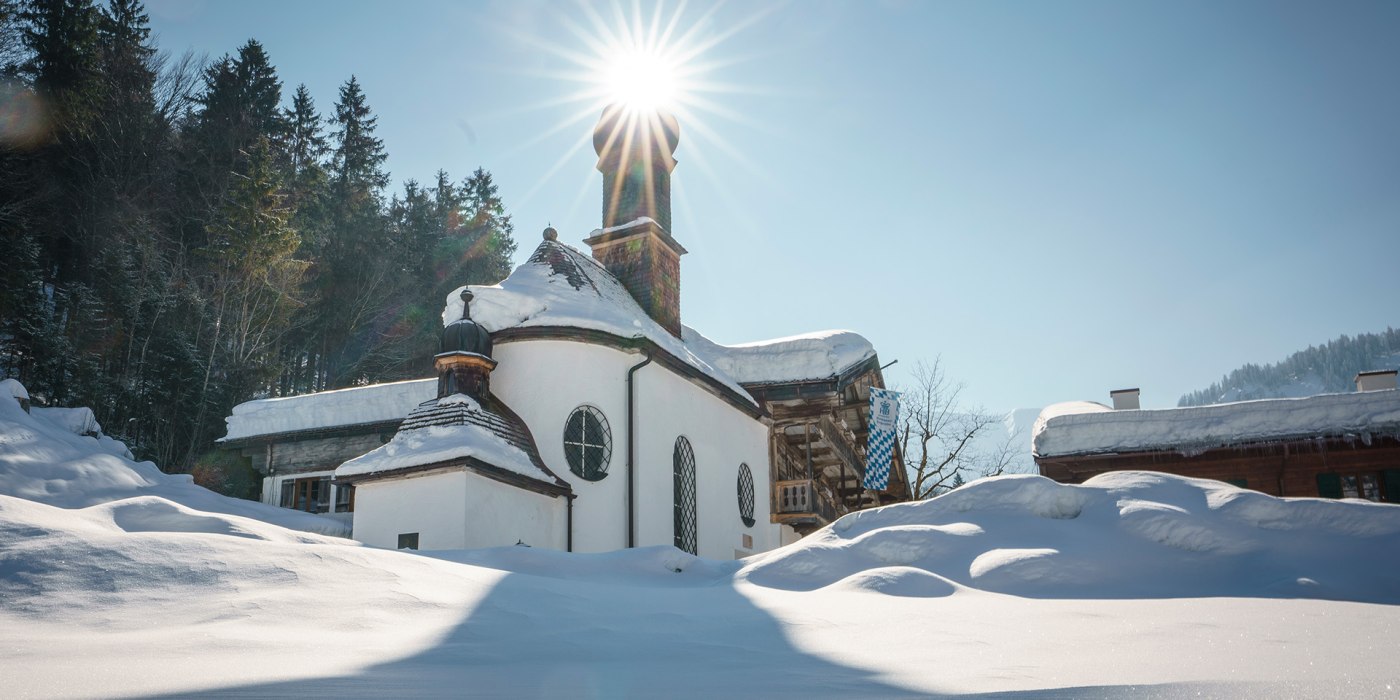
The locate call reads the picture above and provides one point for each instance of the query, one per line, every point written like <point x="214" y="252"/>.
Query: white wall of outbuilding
<point x="457" y="509"/>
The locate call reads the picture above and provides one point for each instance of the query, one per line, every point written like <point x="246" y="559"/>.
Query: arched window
<point x="683" y="494"/>
<point x="746" y="495"/>
<point x="588" y="443"/>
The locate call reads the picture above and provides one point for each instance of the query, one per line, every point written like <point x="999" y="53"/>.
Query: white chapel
<point x="573" y="410"/>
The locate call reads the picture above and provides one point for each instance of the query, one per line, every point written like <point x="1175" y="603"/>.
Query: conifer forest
<point x="185" y="233"/>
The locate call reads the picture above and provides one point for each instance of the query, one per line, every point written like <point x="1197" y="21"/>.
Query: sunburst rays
<point x="662" y="58"/>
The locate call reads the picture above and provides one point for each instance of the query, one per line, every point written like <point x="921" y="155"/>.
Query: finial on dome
<point x="466" y="304"/>
<point x="550" y="234"/>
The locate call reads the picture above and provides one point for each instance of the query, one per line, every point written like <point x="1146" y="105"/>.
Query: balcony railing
<point x="802" y="499"/>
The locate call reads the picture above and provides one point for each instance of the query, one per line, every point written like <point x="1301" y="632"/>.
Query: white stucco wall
<point x="545" y="380"/>
<point x="457" y="509"/>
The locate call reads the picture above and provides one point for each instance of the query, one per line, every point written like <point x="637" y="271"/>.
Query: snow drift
<point x="116" y="579"/>
<point x="1119" y="535"/>
<point x="60" y="458"/>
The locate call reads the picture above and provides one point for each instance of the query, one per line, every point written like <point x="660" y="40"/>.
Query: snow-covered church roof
<point x="562" y="287"/>
<point x="451" y="431"/>
<point x="1086" y="428"/>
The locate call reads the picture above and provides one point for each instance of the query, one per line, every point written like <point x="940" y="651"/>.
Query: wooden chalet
<point x="1329" y="446"/>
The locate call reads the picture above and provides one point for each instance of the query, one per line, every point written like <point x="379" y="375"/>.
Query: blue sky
<point x="1056" y="198"/>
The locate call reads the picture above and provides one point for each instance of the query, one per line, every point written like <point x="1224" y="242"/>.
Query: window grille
<point x="746" y="495"/>
<point x="683" y="493"/>
<point x="588" y="443"/>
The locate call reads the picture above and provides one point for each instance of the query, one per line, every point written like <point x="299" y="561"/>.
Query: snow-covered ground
<point x="1132" y="585"/>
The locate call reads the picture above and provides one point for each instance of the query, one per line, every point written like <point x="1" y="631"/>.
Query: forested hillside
<point x="1328" y="368"/>
<point x="181" y="234"/>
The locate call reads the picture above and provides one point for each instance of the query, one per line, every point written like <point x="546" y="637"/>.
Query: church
<point x="573" y="410"/>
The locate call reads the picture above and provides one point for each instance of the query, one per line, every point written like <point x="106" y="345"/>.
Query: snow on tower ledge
<point x="1084" y="428"/>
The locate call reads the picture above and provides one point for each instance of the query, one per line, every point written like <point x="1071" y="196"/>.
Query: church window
<point x="588" y="443"/>
<point x="746" y="495"/>
<point x="408" y="540"/>
<point x="683" y="496"/>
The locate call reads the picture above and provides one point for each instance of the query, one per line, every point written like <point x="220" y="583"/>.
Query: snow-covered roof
<point x="455" y="428"/>
<point x="1084" y="428"/>
<point x="562" y="287"/>
<point x="376" y="403"/>
<point x="819" y="355"/>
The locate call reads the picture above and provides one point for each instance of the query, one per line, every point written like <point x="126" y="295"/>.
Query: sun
<point x="641" y="81"/>
<point x="662" y="66"/>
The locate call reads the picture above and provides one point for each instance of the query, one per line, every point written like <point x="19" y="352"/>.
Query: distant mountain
<point x="1322" y="369"/>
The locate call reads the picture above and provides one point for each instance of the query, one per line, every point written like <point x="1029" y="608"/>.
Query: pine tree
<point x="360" y="265"/>
<point x="303" y="149"/>
<point x="252" y="284"/>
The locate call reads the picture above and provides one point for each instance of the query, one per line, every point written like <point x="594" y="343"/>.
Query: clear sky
<point x="1057" y="198"/>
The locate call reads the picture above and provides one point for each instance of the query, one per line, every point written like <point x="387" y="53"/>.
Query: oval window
<point x="746" y="495"/>
<point x="588" y="443"/>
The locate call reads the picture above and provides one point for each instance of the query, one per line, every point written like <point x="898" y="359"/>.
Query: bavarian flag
<point x="879" y="452"/>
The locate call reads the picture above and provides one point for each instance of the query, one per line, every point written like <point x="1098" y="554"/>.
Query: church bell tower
<point x="636" y="154"/>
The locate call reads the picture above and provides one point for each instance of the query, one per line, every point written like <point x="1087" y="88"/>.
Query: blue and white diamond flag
<point x="879" y="452"/>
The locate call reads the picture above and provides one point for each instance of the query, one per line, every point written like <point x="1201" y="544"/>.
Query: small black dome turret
<point x="464" y="334"/>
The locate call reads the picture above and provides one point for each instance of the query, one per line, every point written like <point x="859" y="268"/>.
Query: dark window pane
<point x="342" y="498"/>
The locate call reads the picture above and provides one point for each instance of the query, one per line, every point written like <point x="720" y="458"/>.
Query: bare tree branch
<point x="940" y="438"/>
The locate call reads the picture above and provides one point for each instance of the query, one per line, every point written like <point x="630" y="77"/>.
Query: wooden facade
<point x="817" y="448"/>
<point x="309" y="457"/>
<point x="1331" y="467"/>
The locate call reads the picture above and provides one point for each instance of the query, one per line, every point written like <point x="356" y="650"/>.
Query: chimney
<point x="636" y="156"/>
<point x="1125" y="399"/>
<point x="1377" y="380"/>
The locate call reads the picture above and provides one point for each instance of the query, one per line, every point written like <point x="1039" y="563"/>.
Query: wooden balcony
<point x="803" y="502"/>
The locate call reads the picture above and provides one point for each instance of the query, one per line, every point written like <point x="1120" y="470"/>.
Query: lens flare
<point x="641" y="81"/>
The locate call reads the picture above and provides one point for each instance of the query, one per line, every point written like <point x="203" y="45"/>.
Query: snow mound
<point x="13" y="389"/>
<point x="902" y="581"/>
<point x="1119" y="535"/>
<point x="44" y="459"/>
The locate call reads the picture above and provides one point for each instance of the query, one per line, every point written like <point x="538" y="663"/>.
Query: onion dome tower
<point x="464" y="361"/>
<point x="636" y="154"/>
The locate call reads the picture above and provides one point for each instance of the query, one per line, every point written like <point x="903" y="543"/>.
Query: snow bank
<point x="819" y="355"/>
<point x="143" y="597"/>
<point x="377" y="403"/>
<point x="79" y="421"/>
<point x="1119" y="535"/>
<point x="44" y="458"/>
<point x="12" y="388"/>
<point x="1082" y="427"/>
